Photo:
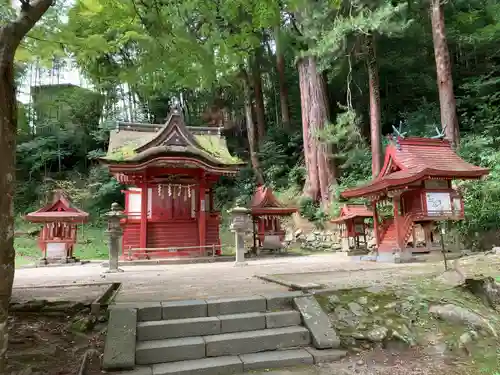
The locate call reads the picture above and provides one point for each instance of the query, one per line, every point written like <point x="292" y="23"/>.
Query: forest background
<point x="344" y="74"/>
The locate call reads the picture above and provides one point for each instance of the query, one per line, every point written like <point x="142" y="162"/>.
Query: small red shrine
<point x="266" y="212"/>
<point x="417" y="179"/>
<point x="170" y="170"/>
<point x="58" y="235"/>
<point x="352" y="225"/>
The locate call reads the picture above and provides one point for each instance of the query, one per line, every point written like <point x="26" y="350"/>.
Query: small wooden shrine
<point x="170" y="170"/>
<point x="417" y="179"/>
<point x="58" y="235"/>
<point x="352" y="225"/>
<point x="266" y="213"/>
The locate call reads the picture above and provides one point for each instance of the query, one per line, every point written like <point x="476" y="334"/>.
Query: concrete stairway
<point x="221" y="336"/>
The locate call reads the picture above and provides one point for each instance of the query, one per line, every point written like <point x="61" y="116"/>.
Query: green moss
<point x="216" y="147"/>
<point x="123" y="153"/>
<point x="416" y="323"/>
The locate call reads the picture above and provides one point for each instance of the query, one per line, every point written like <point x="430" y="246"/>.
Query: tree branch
<point x="30" y="14"/>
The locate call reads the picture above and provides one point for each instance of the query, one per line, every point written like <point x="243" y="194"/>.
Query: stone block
<point x="256" y="341"/>
<point x="175" y="328"/>
<point x="276" y="359"/>
<point x="242" y="322"/>
<point x="140" y="370"/>
<point x="170" y="350"/>
<point x="184" y="309"/>
<point x="282" y="319"/>
<point x="146" y="311"/>
<point x="119" y="350"/>
<point x="278" y="301"/>
<point x="326" y="355"/>
<point x="227" y="306"/>
<point x="317" y="322"/>
<point x="205" y="366"/>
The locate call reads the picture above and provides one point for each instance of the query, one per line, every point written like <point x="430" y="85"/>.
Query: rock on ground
<point x="461" y="315"/>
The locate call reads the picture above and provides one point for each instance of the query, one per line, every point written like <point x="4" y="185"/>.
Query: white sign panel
<point x="134" y="203"/>
<point x="438" y="204"/>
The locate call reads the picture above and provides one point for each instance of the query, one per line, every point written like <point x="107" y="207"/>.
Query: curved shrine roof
<point x="416" y="159"/>
<point x="264" y="202"/>
<point x="60" y="209"/>
<point x="352" y="211"/>
<point x="136" y="146"/>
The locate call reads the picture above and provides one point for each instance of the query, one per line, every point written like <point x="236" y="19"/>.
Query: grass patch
<point x="91" y="243"/>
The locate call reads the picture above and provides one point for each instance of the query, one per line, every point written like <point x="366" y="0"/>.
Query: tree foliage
<point x="145" y="52"/>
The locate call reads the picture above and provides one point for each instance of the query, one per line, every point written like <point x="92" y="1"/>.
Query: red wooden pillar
<point x="143" y="236"/>
<point x="375" y="223"/>
<point x="397" y="222"/>
<point x="202" y="216"/>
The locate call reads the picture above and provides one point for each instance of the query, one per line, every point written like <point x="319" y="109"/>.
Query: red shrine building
<point x="170" y="171"/>
<point x="58" y="235"/>
<point x="353" y="226"/>
<point x="266" y="213"/>
<point x="417" y="179"/>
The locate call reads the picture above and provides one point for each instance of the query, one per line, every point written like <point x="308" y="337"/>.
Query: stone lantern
<point x="114" y="233"/>
<point x="240" y="224"/>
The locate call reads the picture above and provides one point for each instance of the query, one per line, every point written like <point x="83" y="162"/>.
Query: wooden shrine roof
<point x="264" y="202"/>
<point x="141" y="145"/>
<point x="352" y="211"/>
<point x="410" y="160"/>
<point x="60" y="209"/>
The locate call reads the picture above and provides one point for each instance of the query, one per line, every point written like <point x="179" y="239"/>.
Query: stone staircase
<point x="219" y="336"/>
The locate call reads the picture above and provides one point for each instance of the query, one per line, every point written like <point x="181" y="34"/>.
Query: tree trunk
<point x="373" y="83"/>
<point x="280" y="67"/>
<point x="252" y="142"/>
<point x="8" y="122"/>
<point x="320" y="172"/>
<point x="11" y="35"/>
<point x="449" y="120"/>
<point x="259" y="97"/>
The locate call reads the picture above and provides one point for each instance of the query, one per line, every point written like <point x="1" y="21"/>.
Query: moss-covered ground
<point x="405" y="313"/>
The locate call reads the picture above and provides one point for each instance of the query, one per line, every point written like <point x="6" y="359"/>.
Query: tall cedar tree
<point x="374" y="89"/>
<point x="447" y="103"/>
<point x="320" y="172"/>
<point x="280" y="67"/>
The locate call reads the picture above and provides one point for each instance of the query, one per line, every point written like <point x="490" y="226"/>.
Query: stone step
<point x="256" y="341"/>
<point x="170" y="350"/>
<point x="217" y="366"/>
<point x="228" y="344"/>
<point x="276" y="359"/>
<point x="238" y="305"/>
<point x="176" y="328"/>
<point x="181" y="309"/>
<point x="227" y="365"/>
<point x="236" y="364"/>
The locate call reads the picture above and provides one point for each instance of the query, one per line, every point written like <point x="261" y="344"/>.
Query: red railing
<point x="406" y="224"/>
<point x="146" y="251"/>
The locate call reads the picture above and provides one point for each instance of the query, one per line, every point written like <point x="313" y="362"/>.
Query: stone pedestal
<point x="114" y="233"/>
<point x="344" y="241"/>
<point x="240" y="247"/>
<point x="240" y="224"/>
<point x="404" y="256"/>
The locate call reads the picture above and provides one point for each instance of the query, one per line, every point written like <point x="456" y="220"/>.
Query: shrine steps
<point x="221" y="336"/>
<point x="388" y="242"/>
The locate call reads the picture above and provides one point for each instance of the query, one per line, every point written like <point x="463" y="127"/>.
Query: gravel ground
<point x="163" y="282"/>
